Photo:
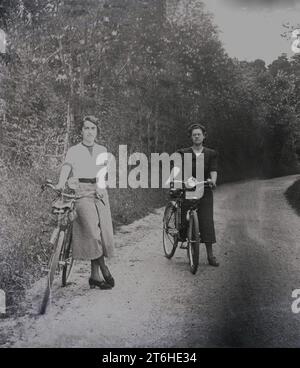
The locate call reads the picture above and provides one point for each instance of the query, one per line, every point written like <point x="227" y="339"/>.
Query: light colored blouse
<point x="83" y="163"/>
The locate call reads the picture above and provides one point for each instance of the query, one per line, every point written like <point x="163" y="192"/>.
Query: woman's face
<point x="89" y="132"/>
<point x="197" y="136"/>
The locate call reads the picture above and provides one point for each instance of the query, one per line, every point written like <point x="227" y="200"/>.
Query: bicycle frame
<point x="173" y="225"/>
<point x="188" y="185"/>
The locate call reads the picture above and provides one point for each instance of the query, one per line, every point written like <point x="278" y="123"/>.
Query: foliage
<point x="293" y="195"/>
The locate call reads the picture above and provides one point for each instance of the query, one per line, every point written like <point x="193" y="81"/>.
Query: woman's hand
<point x="213" y="180"/>
<point x="211" y="183"/>
<point x="60" y="187"/>
<point x="64" y="174"/>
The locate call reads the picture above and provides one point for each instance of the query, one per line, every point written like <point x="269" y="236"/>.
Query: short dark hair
<point x="197" y="126"/>
<point x="90" y="118"/>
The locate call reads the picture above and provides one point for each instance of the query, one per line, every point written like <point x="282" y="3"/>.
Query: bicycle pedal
<point x="182" y="246"/>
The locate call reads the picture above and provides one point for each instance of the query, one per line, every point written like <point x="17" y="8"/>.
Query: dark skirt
<point x="205" y="217"/>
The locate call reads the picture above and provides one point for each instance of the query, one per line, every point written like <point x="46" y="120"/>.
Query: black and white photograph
<point x="150" y="176"/>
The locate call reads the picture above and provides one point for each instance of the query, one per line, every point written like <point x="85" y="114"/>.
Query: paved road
<point x="246" y="302"/>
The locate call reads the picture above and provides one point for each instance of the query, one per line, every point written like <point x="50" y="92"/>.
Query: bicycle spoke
<point x="169" y="231"/>
<point x="67" y="257"/>
<point x="53" y="271"/>
<point x="171" y="240"/>
<point x="193" y="242"/>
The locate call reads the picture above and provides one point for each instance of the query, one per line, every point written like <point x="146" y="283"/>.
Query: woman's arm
<point x="63" y="177"/>
<point x="214" y="167"/>
<point x="213" y="175"/>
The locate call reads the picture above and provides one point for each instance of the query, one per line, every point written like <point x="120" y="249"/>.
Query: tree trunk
<point x="2" y="121"/>
<point x="156" y="129"/>
<point x="68" y="129"/>
<point x="81" y="82"/>
<point x="148" y="136"/>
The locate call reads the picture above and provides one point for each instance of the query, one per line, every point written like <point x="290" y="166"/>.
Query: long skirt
<point x="205" y="217"/>
<point x="92" y="234"/>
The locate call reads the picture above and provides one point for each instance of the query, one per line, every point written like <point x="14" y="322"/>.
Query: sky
<point x="251" y="29"/>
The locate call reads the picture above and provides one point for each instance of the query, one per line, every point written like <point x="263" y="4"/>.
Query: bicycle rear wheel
<point x="66" y="256"/>
<point x="170" y="232"/>
<point x="193" y="242"/>
<point x="53" y="264"/>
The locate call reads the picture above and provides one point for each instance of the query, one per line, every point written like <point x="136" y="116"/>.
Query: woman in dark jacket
<point x="205" y="204"/>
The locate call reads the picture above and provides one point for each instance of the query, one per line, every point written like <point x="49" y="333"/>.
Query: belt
<point x="87" y="180"/>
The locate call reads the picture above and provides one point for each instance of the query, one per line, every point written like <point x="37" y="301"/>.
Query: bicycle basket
<point x="61" y="206"/>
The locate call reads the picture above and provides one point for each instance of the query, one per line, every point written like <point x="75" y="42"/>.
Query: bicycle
<point x="61" y="261"/>
<point x="172" y="224"/>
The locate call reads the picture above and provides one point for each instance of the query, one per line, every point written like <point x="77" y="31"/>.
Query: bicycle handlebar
<point x="66" y="195"/>
<point x="192" y="182"/>
<point x="58" y="191"/>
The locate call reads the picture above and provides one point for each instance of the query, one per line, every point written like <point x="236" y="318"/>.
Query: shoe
<point x="110" y="280"/>
<point x="101" y="284"/>
<point x="212" y="261"/>
<point x="107" y="276"/>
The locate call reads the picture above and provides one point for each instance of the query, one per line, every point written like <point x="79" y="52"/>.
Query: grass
<point x="293" y="196"/>
<point x="25" y="228"/>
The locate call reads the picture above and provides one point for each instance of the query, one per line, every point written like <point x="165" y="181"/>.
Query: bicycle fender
<point x="54" y="236"/>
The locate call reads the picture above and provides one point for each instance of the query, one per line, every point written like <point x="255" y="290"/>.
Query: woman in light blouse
<point x="92" y="236"/>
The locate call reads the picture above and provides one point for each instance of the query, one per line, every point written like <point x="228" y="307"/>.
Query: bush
<point x="24" y="232"/>
<point x="293" y="195"/>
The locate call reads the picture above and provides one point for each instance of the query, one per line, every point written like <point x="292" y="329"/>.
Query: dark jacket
<point x="210" y="160"/>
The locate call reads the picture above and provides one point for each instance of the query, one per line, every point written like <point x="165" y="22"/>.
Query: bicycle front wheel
<point x="66" y="256"/>
<point x="53" y="264"/>
<point x="193" y="242"/>
<point x="170" y="232"/>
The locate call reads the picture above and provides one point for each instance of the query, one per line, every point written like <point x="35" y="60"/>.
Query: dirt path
<point x="158" y="303"/>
